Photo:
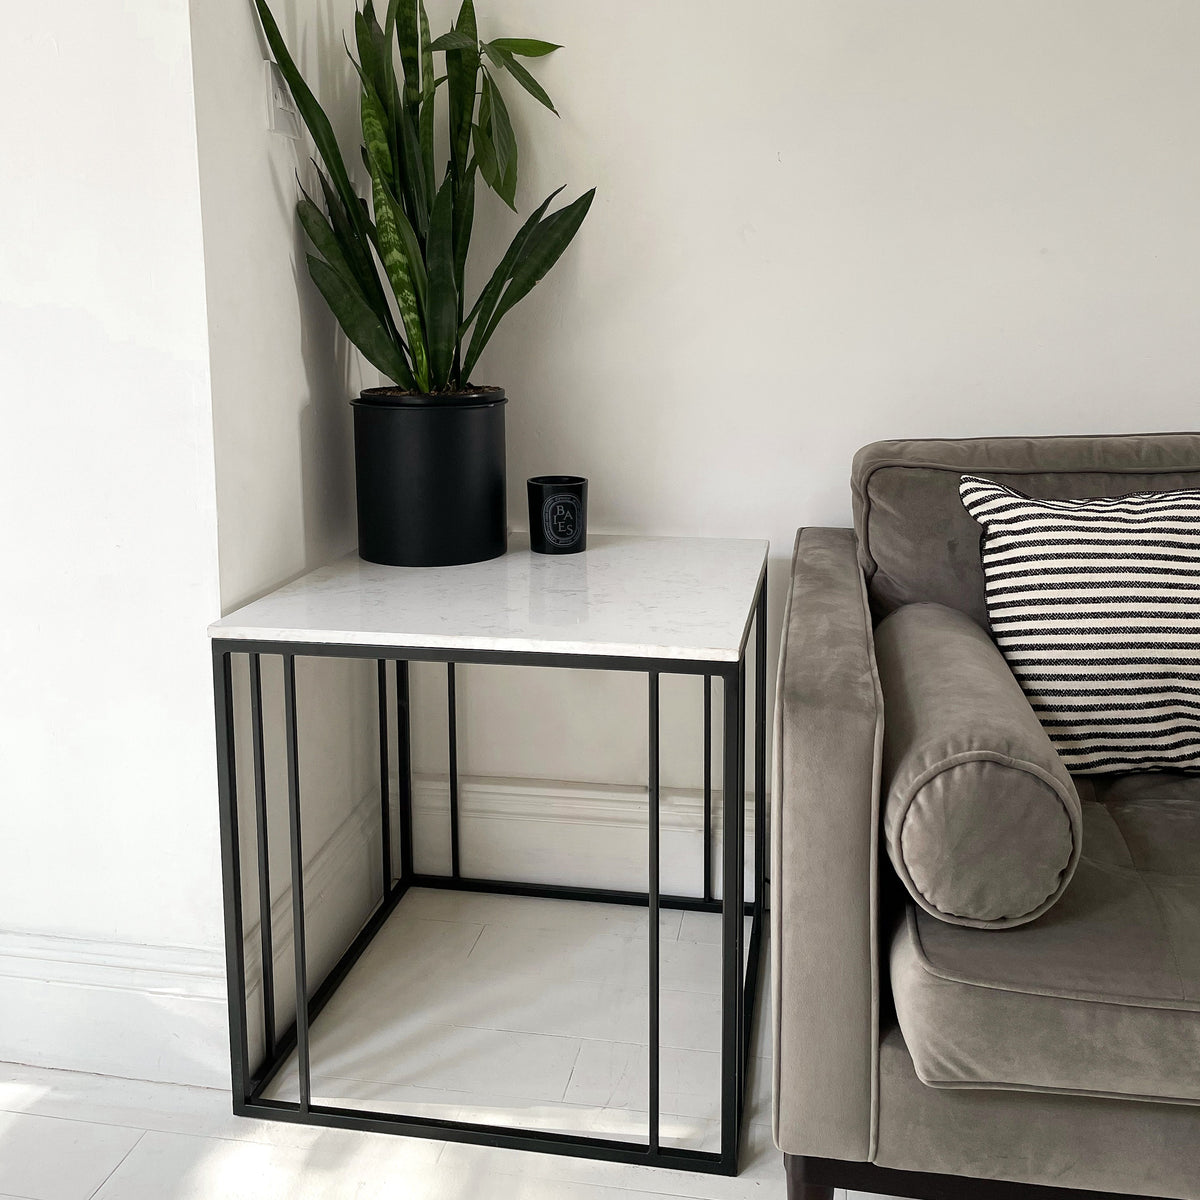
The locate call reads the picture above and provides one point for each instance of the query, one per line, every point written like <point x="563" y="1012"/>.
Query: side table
<point x="650" y="605"/>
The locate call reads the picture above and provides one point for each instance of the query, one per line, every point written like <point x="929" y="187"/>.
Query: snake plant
<point x="410" y="319"/>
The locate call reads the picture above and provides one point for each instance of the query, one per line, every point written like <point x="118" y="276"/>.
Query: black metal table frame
<point x="738" y="988"/>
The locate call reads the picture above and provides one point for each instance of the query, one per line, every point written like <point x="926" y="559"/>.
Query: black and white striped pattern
<point x="1095" y="605"/>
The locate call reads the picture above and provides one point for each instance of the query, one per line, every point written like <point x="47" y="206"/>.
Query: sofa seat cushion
<point x="1101" y="995"/>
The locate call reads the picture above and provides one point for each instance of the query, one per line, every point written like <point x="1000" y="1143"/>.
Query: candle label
<point x="561" y="519"/>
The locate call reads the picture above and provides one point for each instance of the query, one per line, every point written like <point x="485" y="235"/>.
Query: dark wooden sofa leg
<point x="800" y="1188"/>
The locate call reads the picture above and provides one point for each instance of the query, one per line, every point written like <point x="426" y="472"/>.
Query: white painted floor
<point x="508" y="1010"/>
<point x="531" y="1013"/>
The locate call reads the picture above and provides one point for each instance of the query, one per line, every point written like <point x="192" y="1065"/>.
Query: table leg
<point x="740" y="852"/>
<point x="708" y="887"/>
<point x="653" y="907"/>
<point x="231" y="877"/>
<point x="452" y="716"/>
<point x="385" y="795"/>
<point x="293" y="775"/>
<point x="731" y="920"/>
<point x="404" y="771"/>
<point x="760" y="754"/>
<point x="266" y="938"/>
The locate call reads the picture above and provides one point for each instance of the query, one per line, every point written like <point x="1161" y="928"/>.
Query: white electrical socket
<point x="282" y="115"/>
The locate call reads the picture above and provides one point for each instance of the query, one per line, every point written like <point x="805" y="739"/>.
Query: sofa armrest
<point x="828" y="746"/>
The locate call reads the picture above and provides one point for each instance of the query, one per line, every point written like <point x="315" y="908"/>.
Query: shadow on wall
<point x="332" y="370"/>
<point x="333" y="375"/>
<point x="326" y="436"/>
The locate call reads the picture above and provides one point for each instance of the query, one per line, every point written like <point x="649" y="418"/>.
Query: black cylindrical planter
<point x="429" y="472"/>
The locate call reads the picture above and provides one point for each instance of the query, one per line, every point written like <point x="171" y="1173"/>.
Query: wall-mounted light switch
<point x="282" y="115"/>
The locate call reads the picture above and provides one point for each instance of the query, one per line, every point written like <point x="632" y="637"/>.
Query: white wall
<point x="822" y="223"/>
<point x="281" y="379"/>
<point x="109" y="904"/>
<point x="281" y="372"/>
<point x="825" y="222"/>
<point x="817" y="224"/>
<point x="829" y="221"/>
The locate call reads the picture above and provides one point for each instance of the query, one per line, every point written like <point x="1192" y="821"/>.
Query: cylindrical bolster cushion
<point x="982" y="820"/>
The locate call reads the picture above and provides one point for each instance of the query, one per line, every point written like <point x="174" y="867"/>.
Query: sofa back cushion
<point x="917" y="543"/>
<point x="1095" y="605"/>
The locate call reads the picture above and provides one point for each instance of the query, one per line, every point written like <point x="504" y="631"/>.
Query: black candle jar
<point x="557" y="514"/>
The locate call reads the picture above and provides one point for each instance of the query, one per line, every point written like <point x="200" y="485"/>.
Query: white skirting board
<point x="158" y="1012"/>
<point x="145" y="1012"/>
<point x="586" y="835"/>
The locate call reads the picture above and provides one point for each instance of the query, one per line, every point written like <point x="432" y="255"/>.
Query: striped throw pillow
<point x="1095" y="605"/>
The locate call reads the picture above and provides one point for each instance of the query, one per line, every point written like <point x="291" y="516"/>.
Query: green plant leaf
<point x="385" y="79"/>
<point x="404" y="13"/>
<point x="404" y="174"/>
<point x="490" y="296"/>
<point x="359" y="323"/>
<point x="365" y="213"/>
<point x="485" y="154"/>
<point x="443" y="295"/>
<point x="425" y="133"/>
<point x="356" y="249"/>
<point x="328" y="244"/>
<point x="401" y="165"/>
<point x="374" y="131"/>
<point x="500" y="276"/>
<point x="503" y="139"/>
<point x="427" y="109"/>
<point x="396" y="262"/>
<point x="374" y="63"/>
<point x="368" y="65"/>
<point x="464" y="218"/>
<point x="413" y="252"/>
<point x="314" y="117"/>
<point x="427" y="78"/>
<point x="502" y="58"/>
<point x="541" y="250"/>
<point x="414" y="255"/>
<point x="417" y="187"/>
<point x="546" y="244"/>
<point x="508" y="184"/>
<point x="383" y="124"/>
<point x="454" y="40"/>
<point x="526" y="47"/>
<point x="462" y="71"/>
<point x="324" y="240"/>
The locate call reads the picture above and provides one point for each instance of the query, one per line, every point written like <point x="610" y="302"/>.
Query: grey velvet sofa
<point x="1057" y="1059"/>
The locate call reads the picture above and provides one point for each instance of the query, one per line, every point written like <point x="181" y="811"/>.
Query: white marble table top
<point x="625" y="596"/>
